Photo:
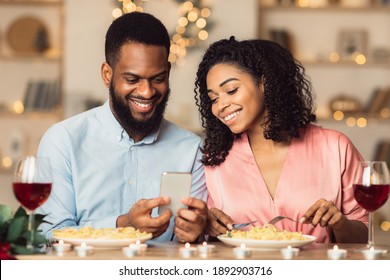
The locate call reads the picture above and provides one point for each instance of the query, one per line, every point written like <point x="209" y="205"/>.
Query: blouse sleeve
<point x="349" y="157"/>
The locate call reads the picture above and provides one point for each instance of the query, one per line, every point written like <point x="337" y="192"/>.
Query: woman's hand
<point x="324" y="213"/>
<point x="217" y="222"/>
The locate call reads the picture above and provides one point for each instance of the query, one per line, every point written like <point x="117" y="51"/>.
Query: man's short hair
<point x="136" y="27"/>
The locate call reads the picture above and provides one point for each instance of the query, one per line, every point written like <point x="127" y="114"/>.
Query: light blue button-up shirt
<point x="99" y="172"/>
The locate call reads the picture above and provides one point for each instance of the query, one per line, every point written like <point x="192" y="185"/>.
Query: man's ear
<point x="106" y="72"/>
<point x="169" y="68"/>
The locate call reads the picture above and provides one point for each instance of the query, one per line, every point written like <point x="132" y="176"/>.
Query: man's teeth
<point x="229" y="117"/>
<point x="143" y="105"/>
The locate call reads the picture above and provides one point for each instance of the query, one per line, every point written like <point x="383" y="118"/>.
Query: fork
<point x="241" y="225"/>
<point x="236" y="226"/>
<point x="279" y="218"/>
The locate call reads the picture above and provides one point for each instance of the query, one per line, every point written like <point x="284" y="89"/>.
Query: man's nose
<point x="145" y="88"/>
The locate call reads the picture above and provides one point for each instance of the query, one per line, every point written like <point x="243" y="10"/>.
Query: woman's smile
<point x="229" y="119"/>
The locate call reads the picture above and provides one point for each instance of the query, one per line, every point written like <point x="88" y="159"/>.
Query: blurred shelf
<point x="312" y="34"/>
<point x="33" y="115"/>
<point x="330" y="8"/>
<point x="23" y="58"/>
<point x="6" y="171"/>
<point x="33" y="73"/>
<point x="31" y="2"/>
<point x="368" y="64"/>
<point x="370" y="120"/>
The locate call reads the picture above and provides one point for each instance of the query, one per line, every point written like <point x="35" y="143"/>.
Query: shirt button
<point x="131" y="148"/>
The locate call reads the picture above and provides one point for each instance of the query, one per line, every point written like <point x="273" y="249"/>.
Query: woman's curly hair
<point x="288" y="96"/>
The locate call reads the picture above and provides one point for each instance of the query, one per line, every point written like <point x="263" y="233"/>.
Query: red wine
<point x="32" y="195"/>
<point x="371" y="197"/>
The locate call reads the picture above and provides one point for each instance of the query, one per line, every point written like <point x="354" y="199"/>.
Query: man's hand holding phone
<point x="190" y="213"/>
<point x="190" y="223"/>
<point x="139" y="216"/>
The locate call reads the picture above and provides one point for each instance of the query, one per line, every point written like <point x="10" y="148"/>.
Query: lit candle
<point x="336" y="253"/>
<point x="290" y="253"/>
<point x="187" y="251"/>
<point x="83" y="250"/>
<point x="131" y="251"/>
<point x="61" y="247"/>
<point x="242" y="252"/>
<point x="142" y="247"/>
<point x="372" y="253"/>
<point x="205" y="250"/>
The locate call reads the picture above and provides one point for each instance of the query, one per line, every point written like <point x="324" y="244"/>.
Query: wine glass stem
<point x="31" y="227"/>
<point x="370" y="230"/>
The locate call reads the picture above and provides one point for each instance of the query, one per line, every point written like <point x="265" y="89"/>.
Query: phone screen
<point x="176" y="186"/>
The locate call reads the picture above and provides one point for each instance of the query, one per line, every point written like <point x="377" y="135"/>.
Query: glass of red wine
<point x="371" y="190"/>
<point x="32" y="186"/>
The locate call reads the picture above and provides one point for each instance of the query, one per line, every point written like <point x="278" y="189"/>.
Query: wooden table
<point x="170" y="251"/>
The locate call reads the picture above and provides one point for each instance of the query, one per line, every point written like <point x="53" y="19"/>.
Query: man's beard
<point x="132" y="125"/>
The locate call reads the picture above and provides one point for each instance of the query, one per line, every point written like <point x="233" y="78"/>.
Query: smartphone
<point x="176" y="186"/>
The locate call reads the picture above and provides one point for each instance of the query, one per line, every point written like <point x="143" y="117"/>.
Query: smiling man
<point x="108" y="161"/>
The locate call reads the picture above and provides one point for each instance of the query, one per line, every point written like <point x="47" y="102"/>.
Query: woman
<point x="263" y="155"/>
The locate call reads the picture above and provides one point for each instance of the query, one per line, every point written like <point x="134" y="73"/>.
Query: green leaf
<point x="4" y="231"/>
<point x="16" y="228"/>
<point x="39" y="219"/>
<point x="5" y="214"/>
<point x="20" y="212"/>
<point x="39" y="239"/>
<point x="20" y="249"/>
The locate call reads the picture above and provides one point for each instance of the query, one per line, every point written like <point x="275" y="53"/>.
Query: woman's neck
<point x="258" y="142"/>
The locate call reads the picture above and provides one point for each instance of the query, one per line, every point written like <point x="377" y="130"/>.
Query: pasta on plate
<point x="102" y="233"/>
<point x="267" y="232"/>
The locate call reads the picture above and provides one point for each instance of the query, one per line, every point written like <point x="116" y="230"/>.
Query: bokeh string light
<point x="191" y="27"/>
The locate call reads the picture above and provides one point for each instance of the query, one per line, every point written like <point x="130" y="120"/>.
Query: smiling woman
<point x="257" y="112"/>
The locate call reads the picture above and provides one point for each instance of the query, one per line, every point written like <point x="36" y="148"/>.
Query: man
<point x="107" y="162"/>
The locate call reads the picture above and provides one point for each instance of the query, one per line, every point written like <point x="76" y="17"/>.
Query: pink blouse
<point x="319" y="164"/>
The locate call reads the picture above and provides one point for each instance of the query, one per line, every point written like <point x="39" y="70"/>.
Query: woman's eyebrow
<point x="224" y="82"/>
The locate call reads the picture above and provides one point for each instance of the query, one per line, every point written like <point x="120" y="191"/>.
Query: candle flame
<point x="289" y="247"/>
<point x="187" y="245"/>
<point x="372" y="249"/>
<point x="335" y="247"/>
<point x="138" y="242"/>
<point x="242" y="245"/>
<point x="204" y="243"/>
<point x="61" y="242"/>
<point x="83" y="244"/>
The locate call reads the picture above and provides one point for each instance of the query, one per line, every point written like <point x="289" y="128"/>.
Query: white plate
<point x="267" y="244"/>
<point x="104" y="243"/>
